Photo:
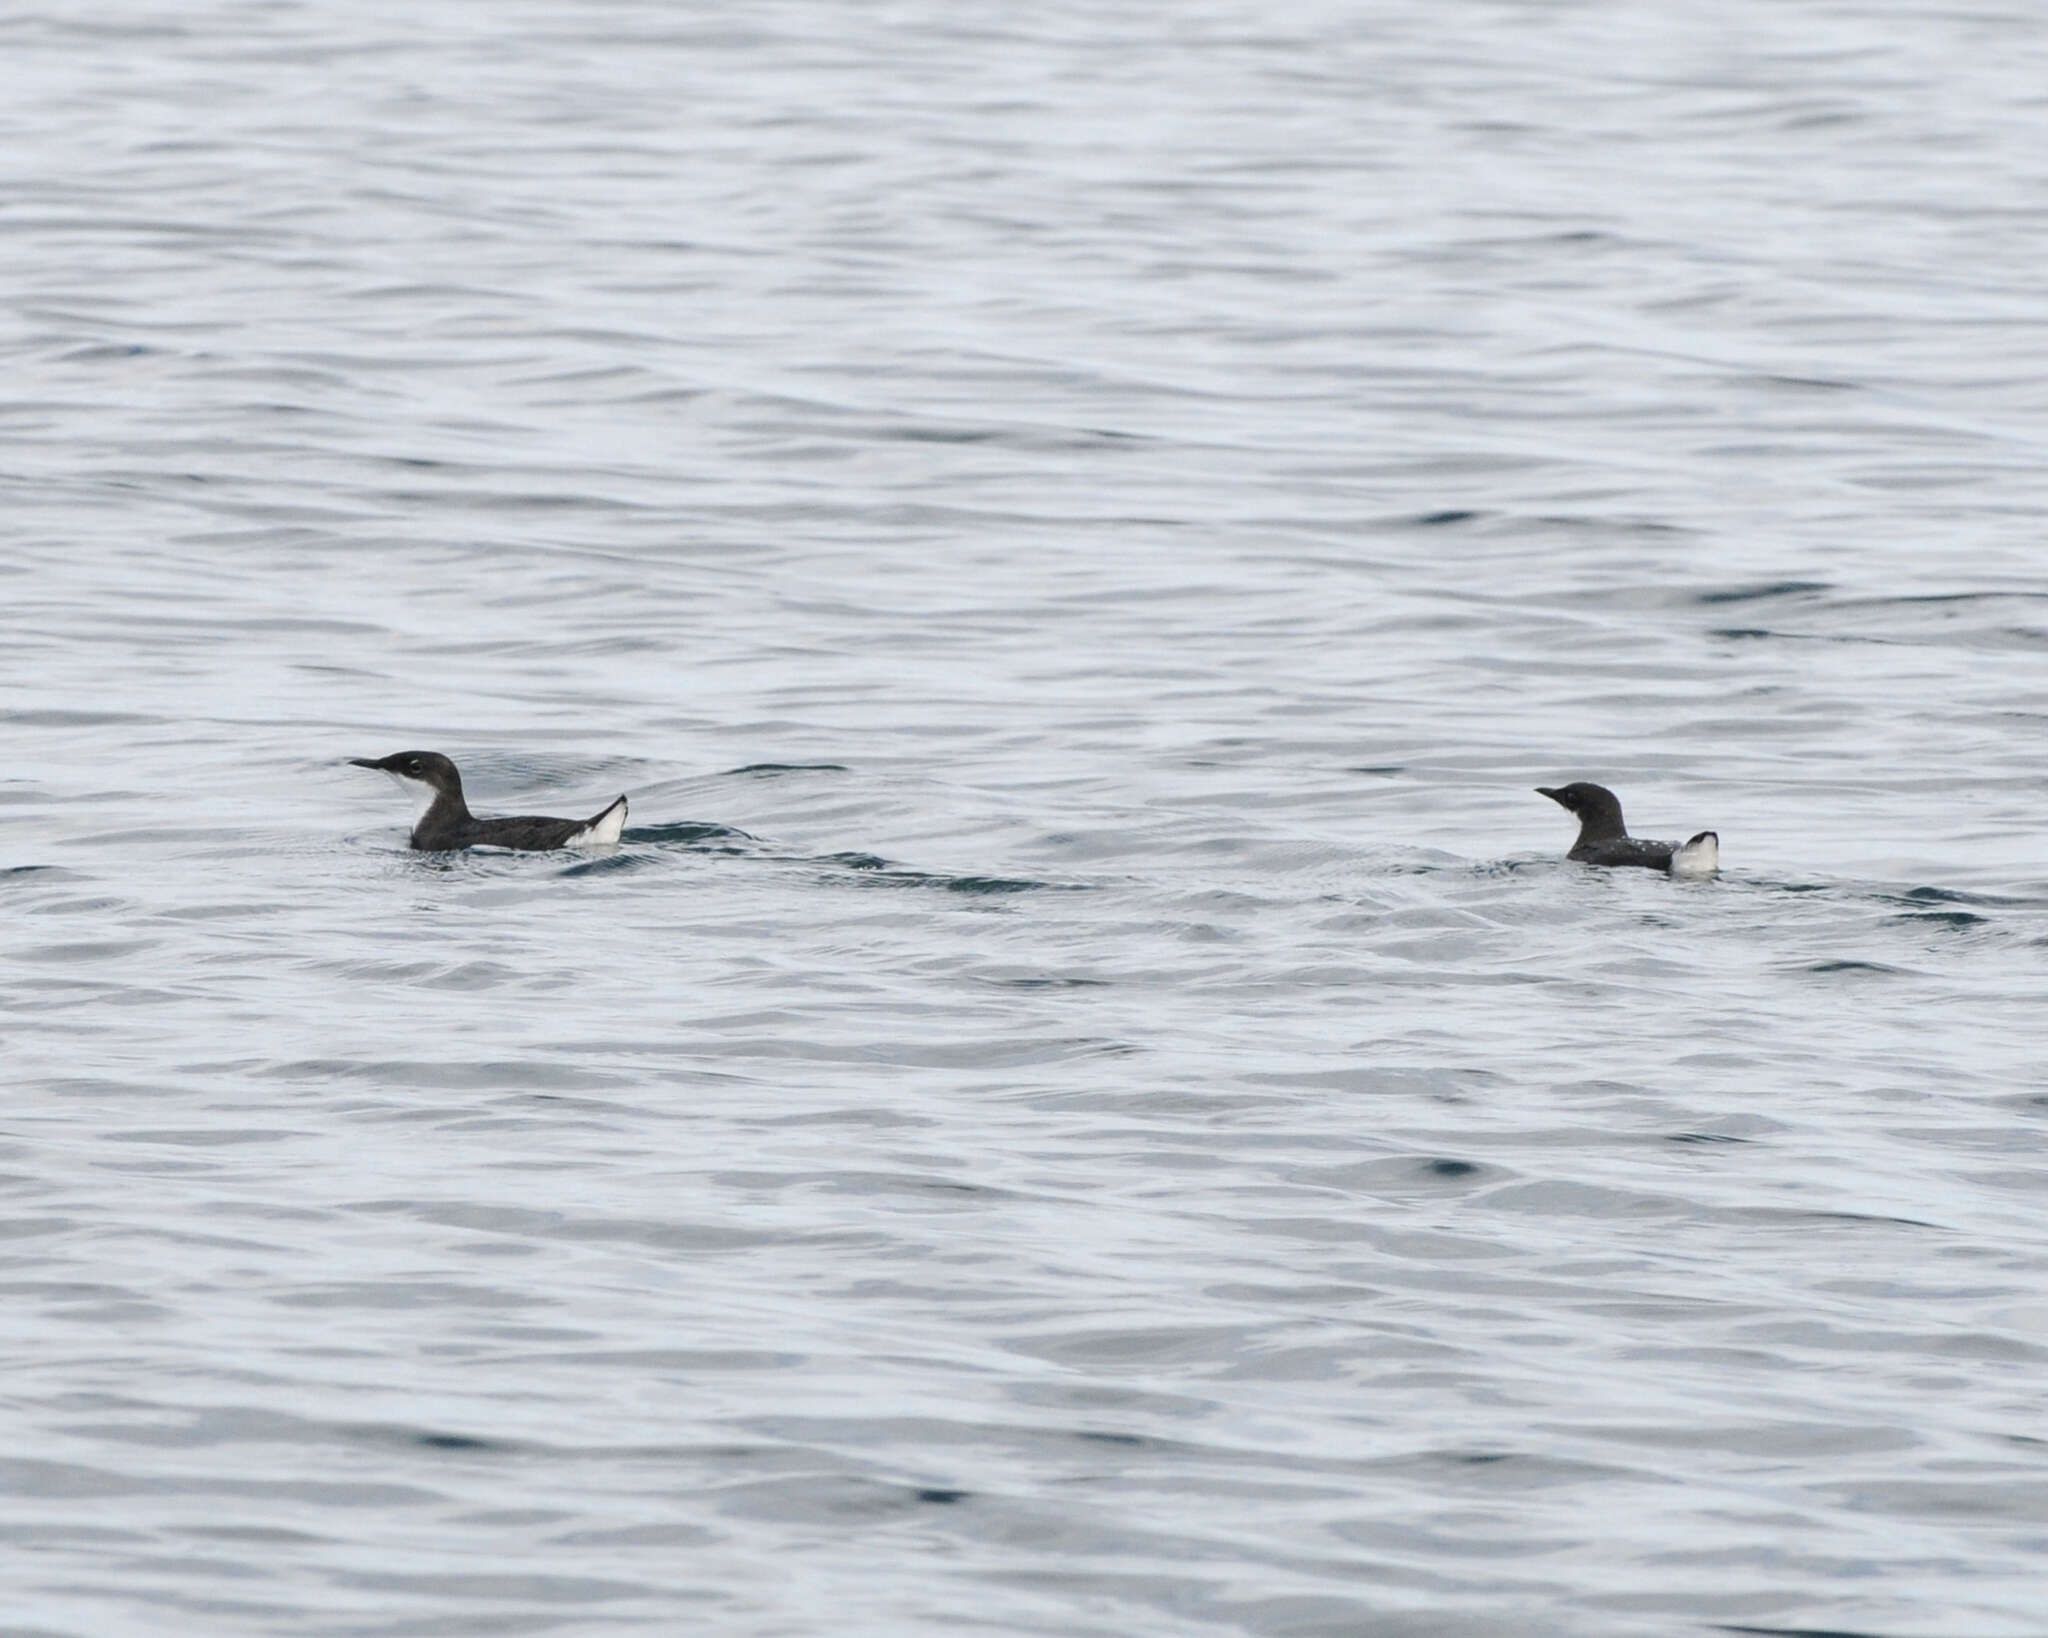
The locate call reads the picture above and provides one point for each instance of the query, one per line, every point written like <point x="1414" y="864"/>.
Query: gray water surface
<point x="1089" y="1101"/>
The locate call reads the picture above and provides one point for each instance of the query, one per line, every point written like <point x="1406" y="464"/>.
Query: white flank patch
<point x="1699" y="857"/>
<point x="604" y="830"/>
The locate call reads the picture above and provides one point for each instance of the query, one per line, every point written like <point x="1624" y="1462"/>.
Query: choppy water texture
<point x="1089" y="1101"/>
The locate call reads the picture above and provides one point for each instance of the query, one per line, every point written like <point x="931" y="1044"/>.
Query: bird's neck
<point x="446" y="812"/>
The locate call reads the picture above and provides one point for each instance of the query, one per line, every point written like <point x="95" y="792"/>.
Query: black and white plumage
<point x="1604" y="839"/>
<point x="446" y="823"/>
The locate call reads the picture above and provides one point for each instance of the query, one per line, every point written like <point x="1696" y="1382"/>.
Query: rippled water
<point x="1089" y="1101"/>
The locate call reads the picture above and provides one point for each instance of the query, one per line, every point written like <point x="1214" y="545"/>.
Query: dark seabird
<point x="1604" y="839"/>
<point x="446" y="823"/>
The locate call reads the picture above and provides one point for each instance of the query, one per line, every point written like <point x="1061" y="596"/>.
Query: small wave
<point x="686" y="833"/>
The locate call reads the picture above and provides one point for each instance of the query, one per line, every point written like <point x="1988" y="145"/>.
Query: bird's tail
<point x="604" y="830"/>
<point x="1699" y="856"/>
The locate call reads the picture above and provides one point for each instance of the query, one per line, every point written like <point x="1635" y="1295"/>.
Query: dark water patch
<point x="1935" y="599"/>
<point x="1024" y="440"/>
<point x="686" y="833"/>
<point x="107" y="352"/>
<point x="937" y="435"/>
<point x="1779" y="1214"/>
<point x="300" y="625"/>
<point x="979" y="885"/>
<point x="1810" y="383"/>
<point x="1767" y="589"/>
<point x="1452" y="1168"/>
<point x="1846" y="966"/>
<point x="1705" y="1137"/>
<point x="1382" y="771"/>
<point x="1949" y="895"/>
<point x="1580" y="523"/>
<point x="868" y="1183"/>
<point x="1445" y="518"/>
<point x="1858" y="893"/>
<point x="458" y="1441"/>
<point x="1807" y="1632"/>
<point x="1047" y="983"/>
<point x="827" y="1499"/>
<point x="1741" y="634"/>
<point x="514" y="501"/>
<point x="871" y="871"/>
<point x="774" y="770"/>
<point x="943" y="1498"/>
<point x="1958" y="920"/>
